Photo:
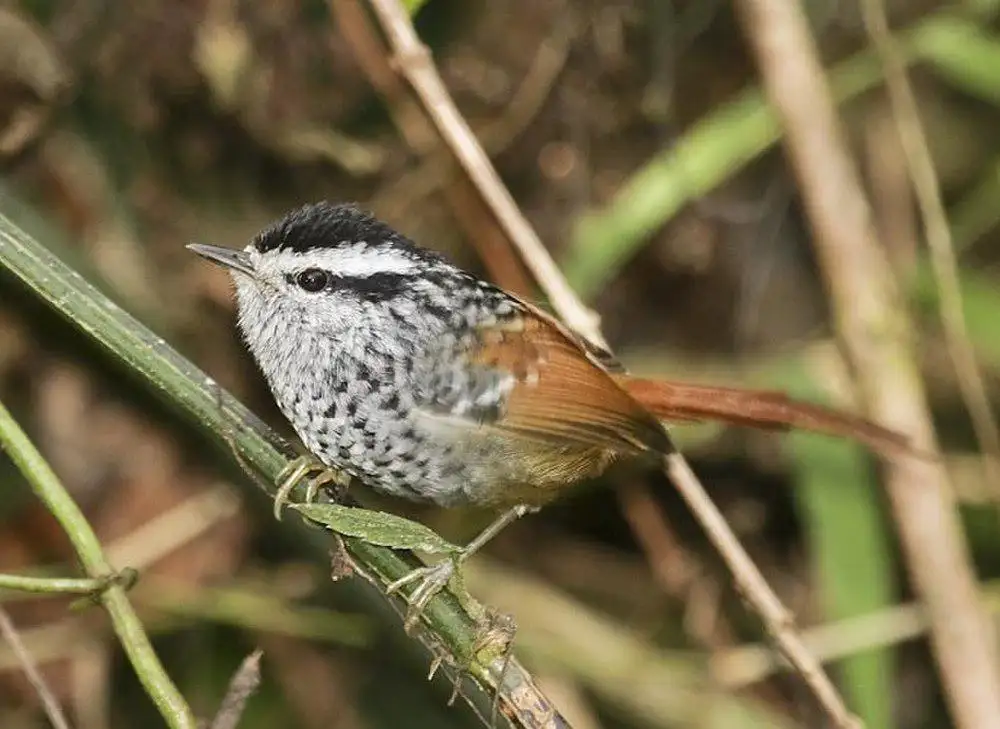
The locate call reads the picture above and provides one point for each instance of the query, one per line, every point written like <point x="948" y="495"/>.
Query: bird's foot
<point x="433" y="578"/>
<point x="322" y="476"/>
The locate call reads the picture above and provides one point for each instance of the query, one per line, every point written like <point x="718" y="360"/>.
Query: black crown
<point x="328" y="225"/>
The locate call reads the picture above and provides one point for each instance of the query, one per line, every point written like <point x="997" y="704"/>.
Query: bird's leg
<point x="433" y="578"/>
<point x="296" y="470"/>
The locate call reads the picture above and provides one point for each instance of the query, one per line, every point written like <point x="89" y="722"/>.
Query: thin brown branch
<point x="673" y="567"/>
<point x="49" y="702"/>
<point x="747" y="664"/>
<point x="414" y="61"/>
<point x="439" y="172"/>
<point x="242" y="686"/>
<point x="920" y="166"/>
<point x="420" y="135"/>
<point x="743" y="665"/>
<point x="621" y="667"/>
<point x="893" y="201"/>
<point x="369" y="53"/>
<point x="874" y="332"/>
<point x="750" y="583"/>
<point x="669" y="562"/>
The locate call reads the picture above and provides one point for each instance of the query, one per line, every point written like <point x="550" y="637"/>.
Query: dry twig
<point x="923" y="177"/>
<point x="414" y="61"/>
<point x="422" y="138"/>
<point x="750" y="583"/>
<point x="672" y="565"/>
<point x="242" y="686"/>
<point x="874" y="330"/>
<point x="49" y="702"/>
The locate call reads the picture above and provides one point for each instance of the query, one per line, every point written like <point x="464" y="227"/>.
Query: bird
<point x="425" y="382"/>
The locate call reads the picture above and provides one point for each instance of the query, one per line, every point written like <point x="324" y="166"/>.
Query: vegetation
<point x="647" y="145"/>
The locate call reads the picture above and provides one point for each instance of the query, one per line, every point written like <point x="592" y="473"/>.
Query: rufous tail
<point x="763" y="409"/>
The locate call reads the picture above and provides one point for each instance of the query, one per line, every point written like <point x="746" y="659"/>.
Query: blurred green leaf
<point x="839" y="502"/>
<point x="726" y="140"/>
<point x="714" y="149"/>
<point x="960" y="51"/>
<point x="846" y="533"/>
<point x="413" y="6"/>
<point x="978" y="212"/>
<point x="980" y="305"/>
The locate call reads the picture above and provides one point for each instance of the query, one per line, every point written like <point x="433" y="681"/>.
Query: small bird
<point x="427" y="383"/>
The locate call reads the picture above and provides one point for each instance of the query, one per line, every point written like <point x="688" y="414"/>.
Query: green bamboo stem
<point x="126" y="623"/>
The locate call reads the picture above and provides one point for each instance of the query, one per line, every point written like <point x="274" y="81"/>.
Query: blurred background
<point x="633" y="135"/>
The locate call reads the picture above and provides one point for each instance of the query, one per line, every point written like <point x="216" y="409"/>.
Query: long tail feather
<point x="761" y="409"/>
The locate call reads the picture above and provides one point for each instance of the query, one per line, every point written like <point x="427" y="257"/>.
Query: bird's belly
<point x="374" y="432"/>
<point x="473" y="467"/>
<point x="509" y="471"/>
<point x="392" y="455"/>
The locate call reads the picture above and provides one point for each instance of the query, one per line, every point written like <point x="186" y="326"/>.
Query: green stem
<point x="54" y="585"/>
<point x="126" y="623"/>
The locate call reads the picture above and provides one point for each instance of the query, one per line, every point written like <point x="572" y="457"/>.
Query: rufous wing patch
<point x="561" y="392"/>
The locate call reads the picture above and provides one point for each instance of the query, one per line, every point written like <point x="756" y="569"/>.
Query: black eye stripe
<point x="376" y="287"/>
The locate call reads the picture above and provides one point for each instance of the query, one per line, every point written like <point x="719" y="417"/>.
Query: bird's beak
<point x="228" y="257"/>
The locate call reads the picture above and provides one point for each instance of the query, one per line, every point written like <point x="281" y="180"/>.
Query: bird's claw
<point x="295" y="471"/>
<point x="433" y="578"/>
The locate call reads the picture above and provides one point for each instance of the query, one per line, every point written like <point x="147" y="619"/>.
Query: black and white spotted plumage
<point x="373" y="371"/>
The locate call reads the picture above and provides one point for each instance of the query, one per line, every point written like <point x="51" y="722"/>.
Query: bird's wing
<point x="559" y="391"/>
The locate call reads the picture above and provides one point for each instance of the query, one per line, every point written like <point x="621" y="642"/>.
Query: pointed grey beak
<point x="228" y="257"/>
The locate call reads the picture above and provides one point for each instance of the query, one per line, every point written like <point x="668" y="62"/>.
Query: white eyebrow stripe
<point x="355" y="261"/>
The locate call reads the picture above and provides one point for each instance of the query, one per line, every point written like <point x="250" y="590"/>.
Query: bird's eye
<point x="312" y="279"/>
